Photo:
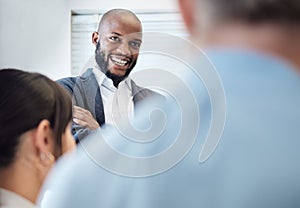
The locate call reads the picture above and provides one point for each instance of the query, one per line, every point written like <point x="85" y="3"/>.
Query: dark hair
<point x="25" y="100"/>
<point x="255" y="11"/>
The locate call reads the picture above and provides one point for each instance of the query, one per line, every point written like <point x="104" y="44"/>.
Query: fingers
<point x="82" y="114"/>
<point x="77" y="108"/>
<point x="81" y="110"/>
<point x="84" y="118"/>
<point x="80" y="122"/>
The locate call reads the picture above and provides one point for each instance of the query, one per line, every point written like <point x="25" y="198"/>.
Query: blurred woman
<point x="35" y="116"/>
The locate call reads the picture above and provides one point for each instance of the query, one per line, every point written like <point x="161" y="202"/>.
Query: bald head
<point x="118" y="13"/>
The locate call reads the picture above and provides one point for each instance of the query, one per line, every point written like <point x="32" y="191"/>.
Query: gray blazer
<point x="86" y="94"/>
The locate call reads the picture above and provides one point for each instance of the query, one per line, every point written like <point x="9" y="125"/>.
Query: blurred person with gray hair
<point x="255" y="47"/>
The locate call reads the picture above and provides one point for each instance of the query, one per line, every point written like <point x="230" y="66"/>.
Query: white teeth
<point x="119" y="61"/>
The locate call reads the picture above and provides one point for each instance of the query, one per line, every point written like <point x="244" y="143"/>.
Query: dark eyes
<point x="114" y="38"/>
<point x="133" y="44"/>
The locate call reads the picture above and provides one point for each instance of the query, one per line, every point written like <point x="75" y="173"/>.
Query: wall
<point x="35" y="34"/>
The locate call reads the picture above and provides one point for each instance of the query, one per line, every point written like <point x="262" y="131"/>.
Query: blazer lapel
<point x="92" y="95"/>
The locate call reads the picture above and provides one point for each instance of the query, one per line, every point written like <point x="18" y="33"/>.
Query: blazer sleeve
<point x="78" y="131"/>
<point x="67" y="83"/>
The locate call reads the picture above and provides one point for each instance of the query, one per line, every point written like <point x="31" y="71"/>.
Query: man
<point x="255" y="47"/>
<point x="105" y="93"/>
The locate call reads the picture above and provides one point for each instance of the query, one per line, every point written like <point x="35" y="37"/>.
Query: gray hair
<point x="253" y="11"/>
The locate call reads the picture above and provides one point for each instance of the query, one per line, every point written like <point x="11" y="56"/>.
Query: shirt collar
<point x="9" y="198"/>
<point x="103" y="80"/>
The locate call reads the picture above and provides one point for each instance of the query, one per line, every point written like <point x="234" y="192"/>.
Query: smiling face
<point x="118" y="43"/>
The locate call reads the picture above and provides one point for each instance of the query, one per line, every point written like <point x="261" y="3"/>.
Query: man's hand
<point x="84" y="118"/>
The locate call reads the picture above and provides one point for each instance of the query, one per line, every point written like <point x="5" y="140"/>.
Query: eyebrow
<point x="116" y="33"/>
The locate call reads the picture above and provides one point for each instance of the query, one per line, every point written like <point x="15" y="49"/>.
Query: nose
<point x="124" y="49"/>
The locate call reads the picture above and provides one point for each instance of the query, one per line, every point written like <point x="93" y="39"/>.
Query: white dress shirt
<point x="117" y="102"/>
<point x="9" y="199"/>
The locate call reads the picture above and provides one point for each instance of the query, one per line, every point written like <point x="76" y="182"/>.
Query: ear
<point x="44" y="146"/>
<point x="187" y="12"/>
<point x="95" y="38"/>
<point x="44" y="139"/>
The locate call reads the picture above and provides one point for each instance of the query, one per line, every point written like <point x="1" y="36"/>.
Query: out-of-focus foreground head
<point x="35" y="120"/>
<point x="270" y="26"/>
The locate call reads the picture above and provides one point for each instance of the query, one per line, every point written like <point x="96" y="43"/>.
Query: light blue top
<point x="256" y="163"/>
